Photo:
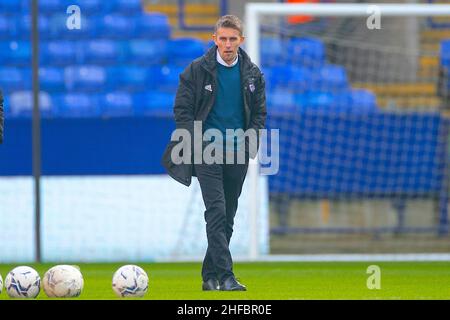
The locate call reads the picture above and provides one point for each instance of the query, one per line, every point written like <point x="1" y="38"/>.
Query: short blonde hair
<point x="229" y="21"/>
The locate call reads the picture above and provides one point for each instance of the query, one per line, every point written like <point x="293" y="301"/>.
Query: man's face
<point x="228" y="41"/>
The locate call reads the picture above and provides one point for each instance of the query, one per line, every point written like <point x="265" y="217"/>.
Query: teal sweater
<point x="228" y="109"/>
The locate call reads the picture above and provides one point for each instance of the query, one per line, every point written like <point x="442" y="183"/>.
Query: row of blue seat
<point x="302" y="51"/>
<point x="19" y="104"/>
<point x="116" y="26"/>
<point x="121" y="103"/>
<point x="86" y="6"/>
<point x="175" y="51"/>
<point x="298" y="51"/>
<point x="328" y="78"/>
<point x="93" y="78"/>
<point x="358" y="100"/>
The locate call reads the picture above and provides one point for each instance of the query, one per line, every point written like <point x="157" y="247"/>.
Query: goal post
<point x="254" y="15"/>
<point x="253" y="12"/>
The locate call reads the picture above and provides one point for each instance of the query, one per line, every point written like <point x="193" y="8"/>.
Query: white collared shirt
<point x="222" y="62"/>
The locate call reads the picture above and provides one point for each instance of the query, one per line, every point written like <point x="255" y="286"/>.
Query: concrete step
<point x="428" y="67"/>
<point x="404" y="95"/>
<point x="202" y="35"/>
<point x="428" y="103"/>
<point x="441" y="20"/>
<point x="429" y="61"/>
<point x="190" y="9"/>
<point x="431" y="35"/>
<point x="430" y="47"/>
<point x="399" y="89"/>
<point x="428" y="74"/>
<point x="194" y="21"/>
<point x="195" y="15"/>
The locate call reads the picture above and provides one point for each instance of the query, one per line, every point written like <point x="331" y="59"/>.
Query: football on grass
<point x="23" y="282"/>
<point x="63" y="281"/>
<point x="130" y="281"/>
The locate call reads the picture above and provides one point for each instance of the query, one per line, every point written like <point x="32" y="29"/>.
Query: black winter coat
<point x="195" y="98"/>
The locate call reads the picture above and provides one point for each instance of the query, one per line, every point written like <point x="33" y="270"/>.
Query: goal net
<point x="359" y="93"/>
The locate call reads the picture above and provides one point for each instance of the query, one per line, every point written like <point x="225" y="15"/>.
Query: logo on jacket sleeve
<point x="208" y="87"/>
<point x="251" y="86"/>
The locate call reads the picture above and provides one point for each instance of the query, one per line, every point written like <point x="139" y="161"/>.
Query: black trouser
<point x="221" y="186"/>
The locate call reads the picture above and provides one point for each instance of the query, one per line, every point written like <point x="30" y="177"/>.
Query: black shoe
<point x="231" y="284"/>
<point x="210" y="285"/>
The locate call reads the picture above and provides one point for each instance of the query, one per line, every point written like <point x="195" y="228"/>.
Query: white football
<point x="63" y="281"/>
<point x="130" y="281"/>
<point x="23" y="282"/>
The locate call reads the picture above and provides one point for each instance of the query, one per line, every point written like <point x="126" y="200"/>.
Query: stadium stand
<point x="124" y="50"/>
<point x="126" y="63"/>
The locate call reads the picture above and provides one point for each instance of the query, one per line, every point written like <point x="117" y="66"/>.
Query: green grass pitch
<point x="274" y="280"/>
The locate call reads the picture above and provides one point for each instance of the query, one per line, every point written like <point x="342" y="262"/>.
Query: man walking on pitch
<point x="221" y="90"/>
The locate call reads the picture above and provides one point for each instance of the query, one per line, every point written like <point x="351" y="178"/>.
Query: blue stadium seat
<point x="445" y="53"/>
<point x="116" y="104"/>
<point x="354" y="100"/>
<point x="362" y="100"/>
<point x="273" y="51"/>
<point x="280" y="101"/>
<point x="154" y="25"/>
<point x="17" y="53"/>
<point x="77" y="105"/>
<point x="116" y="26"/>
<point x="52" y="6"/>
<point x="21" y="104"/>
<point x="308" y="52"/>
<point x="170" y="77"/>
<point x="151" y="103"/>
<point x="60" y="53"/>
<point x="8" y="27"/>
<point x="24" y="27"/>
<point x="125" y="6"/>
<point x="15" y="79"/>
<point x="51" y="79"/>
<point x="147" y="51"/>
<point x="89" y="7"/>
<point x="183" y="50"/>
<point x="318" y="101"/>
<point x="59" y="30"/>
<point x="85" y="78"/>
<point x="330" y="78"/>
<point x="49" y="7"/>
<point x="102" y="52"/>
<point x="10" y="6"/>
<point x="130" y="78"/>
<point x="299" y="79"/>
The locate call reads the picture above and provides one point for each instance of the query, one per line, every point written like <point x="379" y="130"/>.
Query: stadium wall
<point x="105" y="196"/>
